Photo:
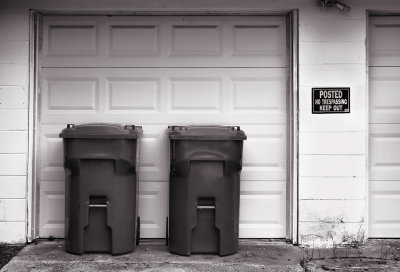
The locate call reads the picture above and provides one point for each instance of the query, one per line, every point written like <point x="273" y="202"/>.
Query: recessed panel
<point x="384" y="104"/>
<point x="386" y="37"/>
<point x="383" y="213"/>
<point x="381" y="201"/>
<point x="134" y="39"/>
<point x="384" y="41"/>
<point x="52" y="207"/>
<point x="153" y="209"/>
<point x="384" y="147"/>
<point x="259" y="216"/>
<point x="54" y="146"/>
<point x="135" y="94"/>
<point x="195" y="39"/>
<point x="52" y="155"/>
<point x="259" y="94"/>
<point x="266" y="222"/>
<point x="258" y="165"/>
<point x="154" y="156"/>
<point x="71" y="94"/>
<point x="195" y="94"/>
<point x="150" y="157"/>
<point x="256" y="39"/>
<point x="384" y="91"/>
<point x="72" y="40"/>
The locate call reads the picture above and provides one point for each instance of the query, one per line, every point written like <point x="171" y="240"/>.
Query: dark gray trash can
<point x="101" y="162"/>
<point x="205" y="164"/>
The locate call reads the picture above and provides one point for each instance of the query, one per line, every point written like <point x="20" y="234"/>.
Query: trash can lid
<point x="101" y="131"/>
<point x="210" y="132"/>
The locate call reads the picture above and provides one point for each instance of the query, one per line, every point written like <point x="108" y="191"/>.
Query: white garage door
<point x="384" y="127"/>
<point x="156" y="71"/>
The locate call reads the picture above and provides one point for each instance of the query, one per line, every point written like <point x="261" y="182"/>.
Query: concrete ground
<point x="153" y="255"/>
<point x="253" y="255"/>
<point x="374" y="256"/>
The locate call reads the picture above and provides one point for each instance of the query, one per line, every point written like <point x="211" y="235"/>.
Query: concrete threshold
<point x="153" y="255"/>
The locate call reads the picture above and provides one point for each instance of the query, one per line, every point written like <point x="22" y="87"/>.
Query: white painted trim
<point x="32" y="125"/>
<point x="172" y="12"/>
<point x="292" y="187"/>
<point x="368" y="15"/>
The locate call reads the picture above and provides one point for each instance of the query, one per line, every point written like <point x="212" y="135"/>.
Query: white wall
<point x="333" y="148"/>
<point x="13" y="121"/>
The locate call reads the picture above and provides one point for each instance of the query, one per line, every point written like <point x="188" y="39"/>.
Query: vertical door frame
<point x="33" y="126"/>
<point x="367" y="198"/>
<point x="292" y="192"/>
<point x="35" y="31"/>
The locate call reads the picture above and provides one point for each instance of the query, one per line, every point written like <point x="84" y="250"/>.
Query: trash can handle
<point x="237" y="128"/>
<point x="206" y="207"/>
<point x="97" y="205"/>
<point x="71" y="126"/>
<point x="130" y="127"/>
<point x="207" y="159"/>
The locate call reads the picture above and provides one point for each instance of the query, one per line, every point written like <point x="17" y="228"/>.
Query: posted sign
<point x="330" y="100"/>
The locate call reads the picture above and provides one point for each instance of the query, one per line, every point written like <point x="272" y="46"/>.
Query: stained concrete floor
<point x="253" y="255"/>
<point x="375" y="255"/>
<point x="153" y="255"/>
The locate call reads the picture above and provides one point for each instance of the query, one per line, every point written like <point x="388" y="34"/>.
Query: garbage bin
<point x="205" y="165"/>
<point x="101" y="162"/>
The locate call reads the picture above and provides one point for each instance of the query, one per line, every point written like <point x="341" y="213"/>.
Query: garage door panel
<point x="52" y="208"/>
<point x="195" y="94"/>
<point x="132" y="95"/>
<point x="127" y="39"/>
<point x="153" y="208"/>
<point x="384" y="102"/>
<point x="384" y="199"/>
<point x="154" y="159"/>
<point x="268" y="221"/>
<point x="164" y="41"/>
<point x="259" y="94"/>
<point x="384" y="126"/>
<point x="156" y="71"/>
<point x="384" y="230"/>
<point x="263" y="158"/>
<point x="258" y="38"/>
<point x="52" y="185"/>
<point x="51" y="159"/>
<point x="195" y="38"/>
<point x="157" y="95"/>
<point x="384" y="41"/>
<point x="385" y="146"/>
<point x="69" y="38"/>
<point x="176" y="119"/>
<point x="70" y="95"/>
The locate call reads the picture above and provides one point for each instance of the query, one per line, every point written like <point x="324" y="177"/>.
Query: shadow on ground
<point x="7" y="252"/>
